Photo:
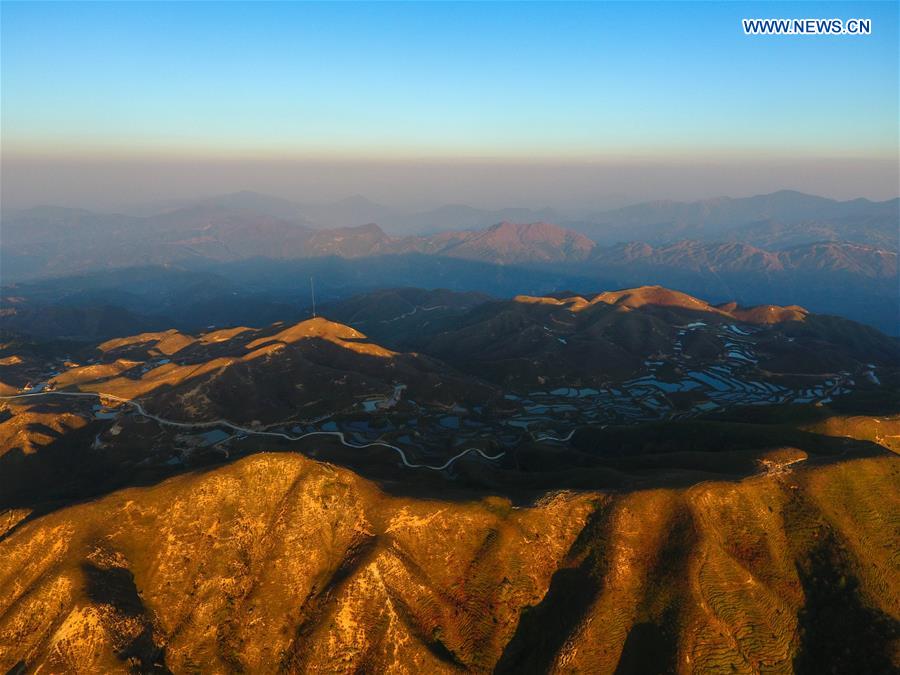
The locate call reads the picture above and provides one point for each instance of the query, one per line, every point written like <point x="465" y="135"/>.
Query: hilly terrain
<point x="775" y="220"/>
<point x="583" y="340"/>
<point x="42" y="242"/>
<point x="856" y="281"/>
<point x="278" y="563"/>
<point x="437" y="377"/>
<point x="770" y="220"/>
<point x="786" y="247"/>
<point x="535" y="361"/>
<point x="632" y="481"/>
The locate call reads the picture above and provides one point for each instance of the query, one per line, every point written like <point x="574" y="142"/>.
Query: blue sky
<point x="505" y="80"/>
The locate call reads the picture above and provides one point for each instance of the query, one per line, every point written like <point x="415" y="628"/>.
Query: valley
<point x="436" y="414"/>
<point x="450" y="482"/>
<point x="428" y="338"/>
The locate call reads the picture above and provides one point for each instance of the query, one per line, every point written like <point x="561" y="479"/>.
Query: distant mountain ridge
<point x="656" y="221"/>
<point x="833" y="256"/>
<point x="716" y="257"/>
<point x="713" y="219"/>
<point x="192" y="234"/>
<point x="51" y="240"/>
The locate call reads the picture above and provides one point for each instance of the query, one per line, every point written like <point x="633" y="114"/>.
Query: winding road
<point x="225" y="423"/>
<point x="558" y="439"/>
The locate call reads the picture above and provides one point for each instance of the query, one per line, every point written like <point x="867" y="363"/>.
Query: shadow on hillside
<point x="278" y="388"/>
<point x="544" y="627"/>
<point x="838" y="632"/>
<point x="114" y="588"/>
<point x="196" y="294"/>
<point x="68" y="470"/>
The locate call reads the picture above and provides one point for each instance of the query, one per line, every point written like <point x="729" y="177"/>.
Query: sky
<point x="544" y="103"/>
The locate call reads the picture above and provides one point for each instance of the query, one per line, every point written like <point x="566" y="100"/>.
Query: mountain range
<point x="773" y="220"/>
<point x="787" y="248"/>
<point x="784" y="217"/>
<point x="788" y="212"/>
<point x="490" y="367"/>
<point x="432" y="481"/>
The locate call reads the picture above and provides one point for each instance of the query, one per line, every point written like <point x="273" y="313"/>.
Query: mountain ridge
<point x="846" y="264"/>
<point x="733" y="592"/>
<point x="629" y="479"/>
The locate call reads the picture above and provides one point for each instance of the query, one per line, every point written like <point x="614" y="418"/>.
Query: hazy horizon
<point x="111" y="186"/>
<point x="582" y="106"/>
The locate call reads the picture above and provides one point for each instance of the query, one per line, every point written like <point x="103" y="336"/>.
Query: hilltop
<point x="580" y="340"/>
<point x="429" y="377"/>
<point x="629" y="480"/>
<point x="272" y="374"/>
<point x="279" y="563"/>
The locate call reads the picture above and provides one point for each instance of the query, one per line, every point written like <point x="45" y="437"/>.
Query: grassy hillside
<point x="278" y="562"/>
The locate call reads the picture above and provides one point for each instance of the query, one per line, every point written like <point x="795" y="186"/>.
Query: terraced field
<point x="427" y="411"/>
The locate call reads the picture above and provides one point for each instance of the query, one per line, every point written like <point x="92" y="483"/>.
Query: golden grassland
<point x="635" y="298"/>
<point x="885" y="431"/>
<point x="31" y="427"/>
<point x="281" y="563"/>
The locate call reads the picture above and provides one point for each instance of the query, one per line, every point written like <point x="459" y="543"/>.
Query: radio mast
<point x="312" y="293"/>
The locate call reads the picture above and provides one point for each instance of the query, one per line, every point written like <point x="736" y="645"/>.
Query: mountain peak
<point x="651" y="295"/>
<point x="527" y="242"/>
<point x="322" y="328"/>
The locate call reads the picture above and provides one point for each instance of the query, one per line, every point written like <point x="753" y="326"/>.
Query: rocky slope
<point x="380" y="511"/>
<point x="281" y="564"/>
